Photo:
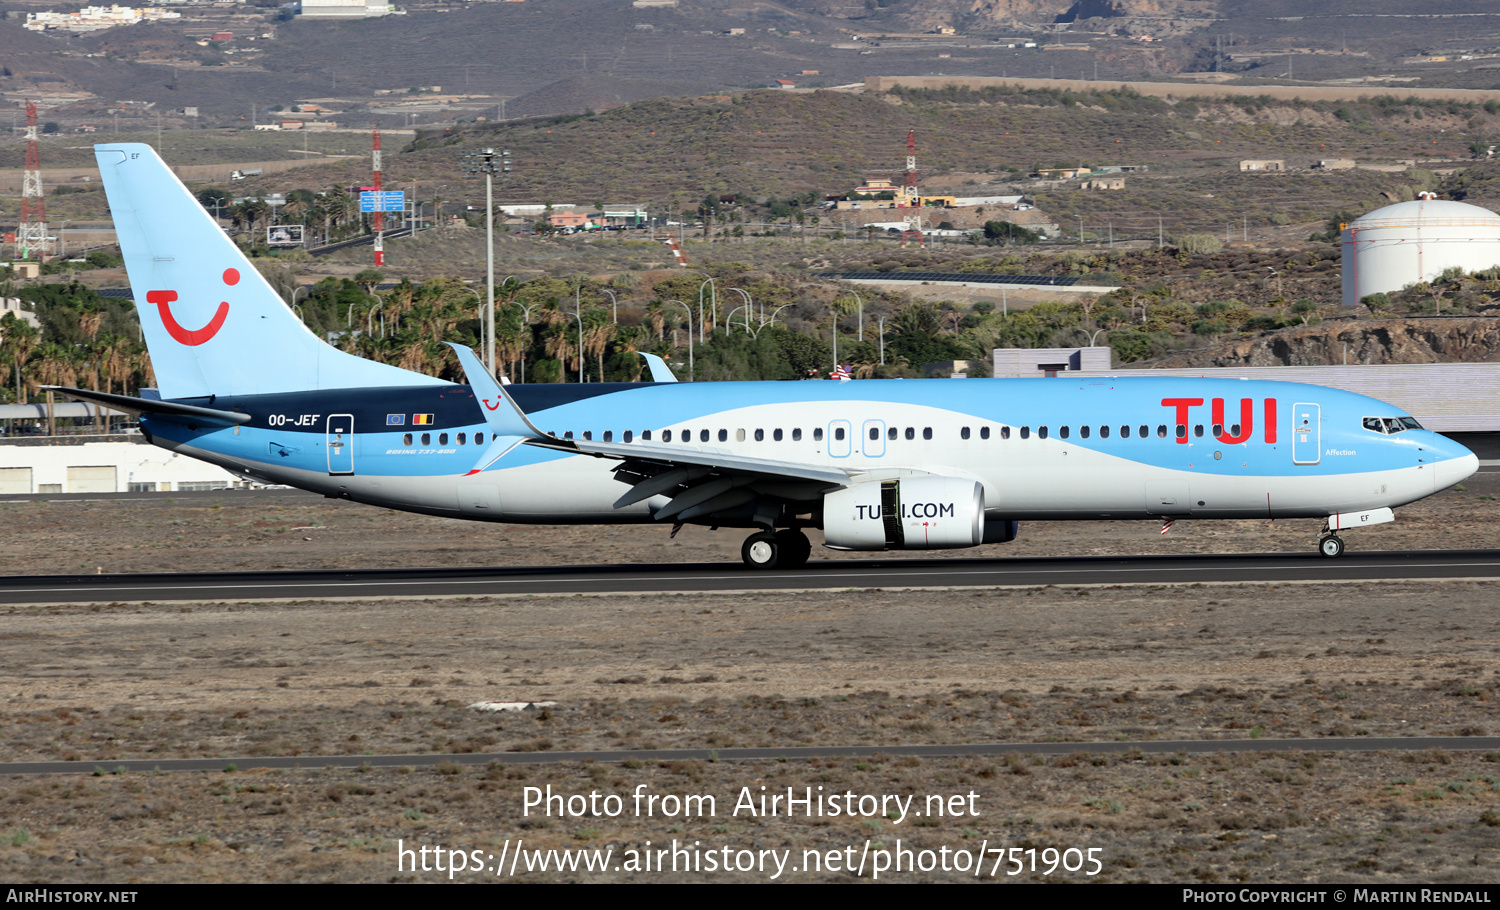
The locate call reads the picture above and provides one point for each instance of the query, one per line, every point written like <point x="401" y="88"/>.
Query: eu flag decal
<point x="395" y="420"/>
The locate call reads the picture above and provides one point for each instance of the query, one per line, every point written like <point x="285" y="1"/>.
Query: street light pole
<point x="690" y="334"/>
<point x="485" y="163"/>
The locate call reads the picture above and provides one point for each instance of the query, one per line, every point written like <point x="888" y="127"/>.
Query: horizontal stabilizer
<point x="139" y="406"/>
<point x="498" y="449"/>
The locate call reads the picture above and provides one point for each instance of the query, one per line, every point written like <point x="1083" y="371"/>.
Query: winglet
<point x="659" y="370"/>
<point x="504" y="416"/>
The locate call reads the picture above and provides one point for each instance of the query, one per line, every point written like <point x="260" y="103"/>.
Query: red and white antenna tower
<point x="909" y="192"/>
<point x="31" y="234"/>
<point x="379" y="218"/>
<point x="910" y="198"/>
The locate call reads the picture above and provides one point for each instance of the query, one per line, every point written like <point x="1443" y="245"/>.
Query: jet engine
<point x="911" y="513"/>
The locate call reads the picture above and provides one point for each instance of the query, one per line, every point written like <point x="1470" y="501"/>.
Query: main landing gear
<point x="785" y="549"/>
<point x="1331" y="546"/>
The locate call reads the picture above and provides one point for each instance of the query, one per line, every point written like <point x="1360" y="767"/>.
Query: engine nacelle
<point x="909" y="513"/>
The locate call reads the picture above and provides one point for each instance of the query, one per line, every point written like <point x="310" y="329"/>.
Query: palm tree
<point x="656" y="311"/>
<point x="598" y="331"/>
<point x="630" y="339"/>
<point x="18" y="339"/>
<point x="559" y="345"/>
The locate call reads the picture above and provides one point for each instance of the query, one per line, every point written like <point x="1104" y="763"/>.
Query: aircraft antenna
<point x="910" y="198"/>
<point x="378" y="221"/>
<point x="31" y="234"/>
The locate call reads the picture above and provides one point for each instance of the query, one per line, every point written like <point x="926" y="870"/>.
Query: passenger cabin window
<point x="609" y="435"/>
<point x="874" y="433"/>
<point x="1025" y="432"/>
<point x="963" y="433"/>
<point x="796" y="434"/>
<point x="891" y="433"/>
<point x="442" y="439"/>
<point x="1104" y="432"/>
<point x="589" y="435"/>
<point x="628" y="436"/>
<point x="646" y="436"/>
<point x="703" y="436"/>
<point x="666" y="435"/>
<point x="984" y="432"/>
<point x="838" y="433"/>
<point x="406" y="439"/>
<point x="739" y="435"/>
<point x="1182" y="431"/>
<point x="1062" y="431"/>
<point x="817" y="434"/>
<point x="1161" y="431"/>
<point x="1144" y="431"/>
<point x="1041" y="432"/>
<point x="1198" y="430"/>
<point x="1124" y="431"/>
<point x="426" y="439"/>
<point x="776" y="434"/>
<point x="760" y="435"/>
<point x="568" y="434"/>
<point x="463" y="439"/>
<point x="911" y="432"/>
<point x="1005" y="432"/>
<point x="723" y="435"/>
<point x="1218" y="429"/>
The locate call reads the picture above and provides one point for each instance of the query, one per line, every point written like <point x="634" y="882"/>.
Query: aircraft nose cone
<point x="1450" y="471"/>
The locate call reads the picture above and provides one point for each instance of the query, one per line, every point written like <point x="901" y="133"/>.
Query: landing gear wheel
<point x="1331" y="546"/>
<point x="795" y="548"/>
<point x="761" y="551"/>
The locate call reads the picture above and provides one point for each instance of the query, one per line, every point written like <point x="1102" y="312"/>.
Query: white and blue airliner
<point x="874" y="464"/>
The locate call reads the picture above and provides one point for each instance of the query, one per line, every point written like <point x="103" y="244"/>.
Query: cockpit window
<point x="1389" y="425"/>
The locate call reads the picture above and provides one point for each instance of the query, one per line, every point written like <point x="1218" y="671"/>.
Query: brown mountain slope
<point x="1468" y="339"/>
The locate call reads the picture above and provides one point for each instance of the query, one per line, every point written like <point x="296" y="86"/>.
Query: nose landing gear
<point x="1331" y="546"/>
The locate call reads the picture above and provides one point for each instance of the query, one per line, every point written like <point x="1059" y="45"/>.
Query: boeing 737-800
<point x="875" y="464"/>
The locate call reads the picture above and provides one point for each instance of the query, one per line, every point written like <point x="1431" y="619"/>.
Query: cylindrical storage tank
<point x="1409" y="242"/>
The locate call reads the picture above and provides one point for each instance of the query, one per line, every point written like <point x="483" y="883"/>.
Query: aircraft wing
<point x="703" y="481"/>
<point x="699" y="481"/>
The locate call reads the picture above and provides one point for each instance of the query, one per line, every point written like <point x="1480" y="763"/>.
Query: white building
<point x="124" y="464"/>
<point x="13" y="305"/>
<point x="345" y="9"/>
<point x="93" y="18"/>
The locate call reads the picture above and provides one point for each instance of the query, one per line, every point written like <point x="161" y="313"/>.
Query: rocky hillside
<point x="1460" y="339"/>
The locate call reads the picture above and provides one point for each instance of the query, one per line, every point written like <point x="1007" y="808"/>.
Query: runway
<point x="908" y="573"/>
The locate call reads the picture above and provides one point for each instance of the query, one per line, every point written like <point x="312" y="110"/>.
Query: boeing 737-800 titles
<point x="875" y="464"/>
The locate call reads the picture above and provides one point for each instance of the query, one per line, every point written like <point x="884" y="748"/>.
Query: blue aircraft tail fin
<point x="213" y="325"/>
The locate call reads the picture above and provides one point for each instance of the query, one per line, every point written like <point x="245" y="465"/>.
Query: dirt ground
<point x="105" y="682"/>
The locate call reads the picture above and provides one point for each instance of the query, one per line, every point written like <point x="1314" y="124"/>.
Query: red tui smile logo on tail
<point x="192" y="337"/>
